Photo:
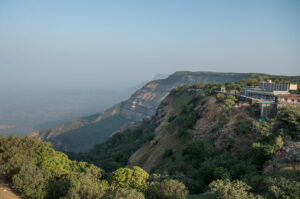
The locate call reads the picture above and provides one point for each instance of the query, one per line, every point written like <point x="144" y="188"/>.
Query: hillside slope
<point x="199" y="138"/>
<point x="210" y="123"/>
<point x="82" y="134"/>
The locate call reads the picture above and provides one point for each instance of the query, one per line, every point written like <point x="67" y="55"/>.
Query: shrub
<point x="220" y="97"/>
<point x="166" y="189"/>
<point x="167" y="153"/>
<point x="282" y="188"/>
<point x="221" y="173"/>
<point x="243" y="127"/>
<point x="198" y="150"/>
<point x="225" y="189"/>
<point x="123" y="193"/>
<point x="228" y="103"/>
<point x="290" y="117"/>
<point x="134" y="178"/>
<point x="83" y="185"/>
<point x="262" y="152"/>
<point x="31" y="181"/>
<point x="186" y="119"/>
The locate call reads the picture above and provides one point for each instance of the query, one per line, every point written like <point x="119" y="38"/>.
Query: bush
<point x="225" y="189"/>
<point x="123" y="193"/>
<point x="134" y="178"/>
<point x="221" y="173"/>
<point x="227" y="103"/>
<point x="282" y="188"/>
<point x="186" y="119"/>
<point x="262" y="152"/>
<point x="198" y="150"/>
<point x="220" y="97"/>
<point x="243" y="127"/>
<point x="37" y="171"/>
<point x="166" y="189"/>
<point x="290" y="118"/>
<point x="168" y="153"/>
<point x="31" y="181"/>
<point x="83" y="185"/>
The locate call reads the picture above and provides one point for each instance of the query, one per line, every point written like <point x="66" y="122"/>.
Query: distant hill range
<point x="82" y="134"/>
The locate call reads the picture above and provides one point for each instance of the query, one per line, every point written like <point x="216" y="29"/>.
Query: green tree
<point x="280" y="187"/>
<point x="83" y="185"/>
<point x="123" y="193"/>
<point x="221" y="173"/>
<point x="225" y="189"/>
<point x="228" y="103"/>
<point x="134" y="178"/>
<point x="31" y="181"/>
<point x="167" y="189"/>
<point x="220" y="97"/>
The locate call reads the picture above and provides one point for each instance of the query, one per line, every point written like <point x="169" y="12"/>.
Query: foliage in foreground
<point x="37" y="171"/>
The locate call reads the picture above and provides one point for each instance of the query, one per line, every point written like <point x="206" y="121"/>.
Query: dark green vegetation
<point x="115" y="152"/>
<point x="37" y="171"/>
<point x="185" y="120"/>
<point x="95" y="131"/>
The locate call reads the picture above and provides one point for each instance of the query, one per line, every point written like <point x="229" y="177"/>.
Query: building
<point x="269" y="86"/>
<point x="290" y="100"/>
<point x="268" y="90"/>
<point x="269" y="96"/>
<point x="267" y="109"/>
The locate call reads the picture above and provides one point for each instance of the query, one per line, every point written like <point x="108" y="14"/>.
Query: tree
<point x="220" y="97"/>
<point x="134" y="178"/>
<point x="281" y="187"/>
<point x="83" y="185"/>
<point x="198" y="150"/>
<point x="221" y="173"/>
<point x="225" y="189"/>
<point x="167" y="189"/>
<point x="123" y="193"/>
<point x="31" y="181"/>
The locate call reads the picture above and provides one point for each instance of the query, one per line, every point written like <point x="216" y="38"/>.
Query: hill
<point x="82" y="134"/>
<point x="209" y="143"/>
<point x="197" y="143"/>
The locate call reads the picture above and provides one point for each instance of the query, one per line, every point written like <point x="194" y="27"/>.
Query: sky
<point x="120" y="43"/>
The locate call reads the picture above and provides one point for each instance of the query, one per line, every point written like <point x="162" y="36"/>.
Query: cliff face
<point x="210" y="124"/>
<point x="81" y="134"/>
<point x="144" y="102"/>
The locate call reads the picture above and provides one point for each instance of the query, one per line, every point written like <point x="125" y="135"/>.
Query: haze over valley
<point x="160" y="99"/>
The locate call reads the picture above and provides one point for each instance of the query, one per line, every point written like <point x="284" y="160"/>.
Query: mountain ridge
<point x="142" y="104"/>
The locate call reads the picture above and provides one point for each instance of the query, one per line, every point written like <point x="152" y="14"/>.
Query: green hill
<point x="82" y="134"/>
<point x="211" y="145"/>
<point x="197" y="145"/>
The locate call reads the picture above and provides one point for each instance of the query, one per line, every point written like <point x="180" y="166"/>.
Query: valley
<point x="141" y="104"/>
<point x="198" y="140"/>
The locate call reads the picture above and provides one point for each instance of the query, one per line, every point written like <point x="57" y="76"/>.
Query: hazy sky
<point x="98" y="44"/>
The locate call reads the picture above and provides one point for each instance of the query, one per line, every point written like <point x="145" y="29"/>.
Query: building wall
<point x="267" y="110"/>
<point x="267" y="86"/>
<point x="293" y="87"/>
<point x="289" y="99"/>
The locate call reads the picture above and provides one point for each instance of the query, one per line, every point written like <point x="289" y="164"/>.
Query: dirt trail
<point x="6" y="192"/>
